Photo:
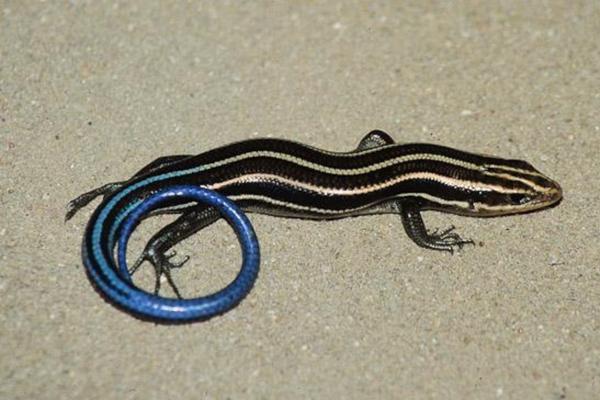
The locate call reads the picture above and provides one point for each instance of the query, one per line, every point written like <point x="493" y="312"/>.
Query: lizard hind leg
<point x="84" y="199"/>
<point x="156" y="250"/>
<point x="105" y="190"/>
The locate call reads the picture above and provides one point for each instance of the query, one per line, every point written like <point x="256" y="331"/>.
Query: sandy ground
<point x="92" y="91"/>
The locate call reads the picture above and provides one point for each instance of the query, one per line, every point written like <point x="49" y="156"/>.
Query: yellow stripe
<point x="342" y="171"/>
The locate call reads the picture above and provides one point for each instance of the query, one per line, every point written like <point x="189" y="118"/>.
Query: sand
<point x="92" y="91"/>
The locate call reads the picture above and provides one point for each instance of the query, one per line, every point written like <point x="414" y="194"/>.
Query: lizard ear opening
<point x="519" y="198"/>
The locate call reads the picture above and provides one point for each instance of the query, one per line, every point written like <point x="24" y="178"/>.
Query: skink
<point x="289" y="179"/>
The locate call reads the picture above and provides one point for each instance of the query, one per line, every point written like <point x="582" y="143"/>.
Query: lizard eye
<point x="519" y="198"/>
